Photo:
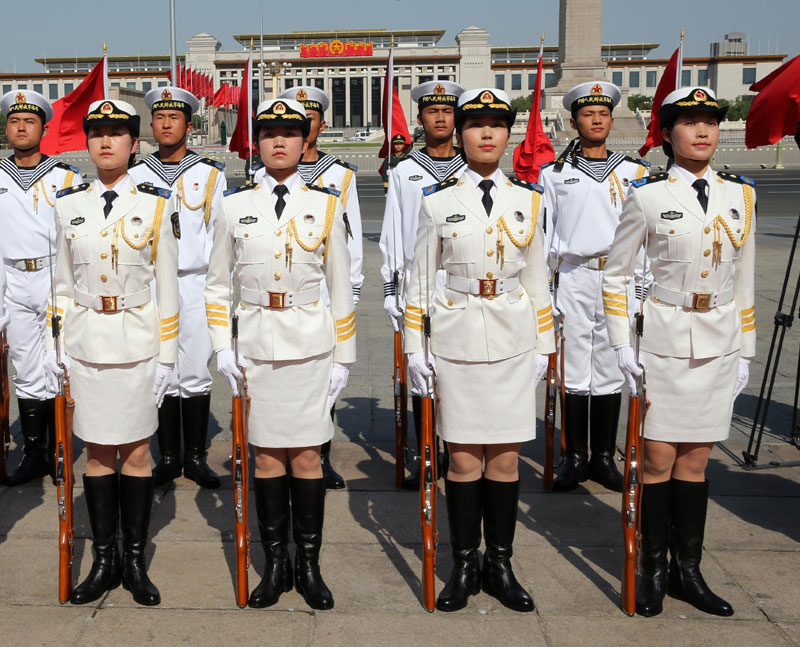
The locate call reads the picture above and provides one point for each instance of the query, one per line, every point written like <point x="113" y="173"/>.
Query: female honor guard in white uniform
<point x="282" y="238"/>
<point x="198" y="184"/>
<point x="699" y="335"/>
<point x="584" y="193"/>
<point x="29" y="182"/>
<point x="491" y="331"/>
<point x="436" y="162"/>
<point x="114" y="239"/>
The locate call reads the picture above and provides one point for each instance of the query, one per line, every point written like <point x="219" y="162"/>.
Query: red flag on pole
<point x="394" y="121"/>
<point x="536" y="148"/>
<point x="669" y="82"/>
<point x="775" y="111"/>
<point x="65" y="129"/>
<point x="242" y="138"/>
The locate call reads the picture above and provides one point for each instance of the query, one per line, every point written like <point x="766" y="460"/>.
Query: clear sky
<point x="57" y="28"/>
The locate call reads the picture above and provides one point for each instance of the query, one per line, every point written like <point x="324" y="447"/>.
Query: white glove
<point x="743" y="378"/>
<point x="395" y="315"/>
<point x="541" y="367"/>
<point x="338" y="380"/>
<point x="163" y="377"/>
<point x="626" y="361"/>
<point x="228" y="367"/>
<point x="52" y="371"/>
<point x="421" y="373"/>
<point x="4" y="319"/>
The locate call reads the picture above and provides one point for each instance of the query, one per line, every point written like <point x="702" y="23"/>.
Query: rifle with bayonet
<point x="5" y="430"/>
<point x="241" y="411"/>
<point x="64" y="410"/>
<point x="400" y="397"/>
<point x="555" y="367"/>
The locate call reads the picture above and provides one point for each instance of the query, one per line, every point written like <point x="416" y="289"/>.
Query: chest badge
<point x="3" y="190"/>
<point x="672" y="215"/>
<point x="519" y="216"/>
<point x="309" y="219"/>
<point x="195" y="186"/>
<point x="414" y="178"/>
<point x="77" y="221"/>
<point x="734" y="214"/>
<point x="136" y="220"/>
<point x="625" y="181"/>
<point x="176" y="225"/>
<point x="456" y="217"/>
<point x="248" y="220"/>
<point x="572" y="180"/>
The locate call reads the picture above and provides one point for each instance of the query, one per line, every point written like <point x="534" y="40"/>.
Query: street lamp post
<point x="275" y="69"/>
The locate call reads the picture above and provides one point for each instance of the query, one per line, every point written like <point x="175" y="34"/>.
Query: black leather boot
<point x="652" y="585"/>
<point x="500" y="501"/>
<point x="333" y="480"/>
<point x="604" y="418"/>
<point x="136" y="502"/>
<point x="689" y="502"/>
<point x="575" y="469"/>
<point x="272" y="508"/>
<point x="464" y="519"/>
<point x="51" y="439"/>
<point x="411" y="481"/>
<point x="168" y="434"/>
<point x="308" y="512"/>
<point x="102" y="500"/>
<point x="194" y="414"/>
<point x="33" y="418"/>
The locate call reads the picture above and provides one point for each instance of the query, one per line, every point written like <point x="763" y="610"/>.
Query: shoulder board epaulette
<point x="531" y="186"/>
<point x="739" y="179"/>
<point x="68" y="167"/>
<point x="214" y="163"/>
<point x="238" y="189"/>
<point x="324" y="189"/>
<point x="550" y="163"/>
<point x="73" y="189"/>
<point x="428" y="190"/>
<point x="147" y="187"/>
<point x="352" y="167"/>
<point x="656" y="177"/>
<point x="637" y="160"/>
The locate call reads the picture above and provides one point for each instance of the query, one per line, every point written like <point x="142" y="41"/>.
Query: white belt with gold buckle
<point x="280" y="300"/>
<point x="697" y="301"/>
<point x="112" y="303"/>
<point x="32" y="264"/>
<point x="482" y="287"/>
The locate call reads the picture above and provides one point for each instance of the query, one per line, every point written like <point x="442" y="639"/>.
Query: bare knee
<point x="305" y="462"/>
<point x="466" y="462"/>
<point x="270" y="462"/>
<point x="659" y="458"/>
<point x="135" y="458"/>
<point x="502" y="462"/>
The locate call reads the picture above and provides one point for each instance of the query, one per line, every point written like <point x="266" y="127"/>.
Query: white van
<point x="360" y="136"/>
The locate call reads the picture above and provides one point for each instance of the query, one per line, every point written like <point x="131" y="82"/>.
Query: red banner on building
<point x="335" y="48"/>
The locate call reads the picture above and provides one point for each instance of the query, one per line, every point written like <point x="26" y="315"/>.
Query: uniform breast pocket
<point x="306" y="244"/>
<point x="248" y="245"/>
<point x="79" y="244"/>
<point x="135" y="247"/>
<point x="457" y="245"/>
<point x="674" y="243"/>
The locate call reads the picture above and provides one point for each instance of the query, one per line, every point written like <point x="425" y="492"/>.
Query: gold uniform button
<point x="278" y="232"/>
<point x="455" y="234"/>
<point x="103" y="255"/>
<point x="247" y="235"/>
<point x="707" y="230"/>
<point x="310" y="233"/>
<point x="704" y="273"/>
<point x="73" y="235"/>
<point x="490" y="252"/>
<point x="738" y="231"/>
<point x="489" y="275"/>
<point x="449" y="302"/>
<point x="489" y="230"/>
<point x="103" y="278"/>
<point x="522" y="231"/>
<point x="277" y="276"/>
<point x="707" y="252"/>
<point x="490" y="297"/>
<point x="277" y="254"/>
<point x="671" y="231"/>
<point x="104" y="234"/>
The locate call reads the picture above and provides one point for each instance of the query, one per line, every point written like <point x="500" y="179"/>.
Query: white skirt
<point x="487" y="403"/>
<point x="289" y="402"/>
<point x="691" y="400"/>
<point x="114" y="403"/>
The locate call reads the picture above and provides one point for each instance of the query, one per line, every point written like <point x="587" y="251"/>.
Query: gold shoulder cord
<point x="153" y="232"/>
<point x="640" y="171"/>
<point x="613" y="181"/>
<point x="348" y="176"/>
<point x="503" y="227"/>
<point x="719" y="223"/>
<point x="291" y="232"/>
<point x="207" y="196"/>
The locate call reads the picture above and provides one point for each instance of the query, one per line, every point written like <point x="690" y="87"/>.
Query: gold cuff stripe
<point x="612" y="295"/>
<point x="345" y="320"/>
<point x="749" y="327"/>
<point x="345" y="336"/>
<point x="613" y="311"/>
<point x="412" y="317"/>
<point x="172" y="328"/>
<point x="167" y="337"/>
<point x="218" y="322"/>
<point x="61" y="310"/>
<point x="612" y="303"/>
<point x="343" y="329"/>
<point x="749" y="311"/>
<point x="216" y="306"/>
<point x="544" y="311"/>
<point x="549" y="326"/>
<point x="164" y="322"/>
<point x="414" y="309"/>
<point x="413" y="326"/>
<point x="750" y="319"/>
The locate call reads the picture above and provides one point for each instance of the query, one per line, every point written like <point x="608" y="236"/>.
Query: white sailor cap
<point x="281" y="112"/>
<point x="436" y="92"/>
<point x="592" y="93"/>
<point x="112" y="112"/>
<point x="485" y="101"/>
<point x="26" y="101"/>
<point x="172" y="98"/>
<point x="311" y="97"/>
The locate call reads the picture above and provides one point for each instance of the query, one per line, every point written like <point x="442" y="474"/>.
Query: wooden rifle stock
<point x="5" y="430"/>
<point x="562" y="393"/>
<point x="241" y="481"/>
<point x="550" y="420"/>
<point x="400" y="410"/>
<point x="65" y="480"/>
<point x="427" y="503"/>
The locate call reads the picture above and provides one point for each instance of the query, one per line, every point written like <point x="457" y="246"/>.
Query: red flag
<point x="242" y="138"/>
<point x="775" y="111"/>
<point x="666" y="85"/>
<point x="536" y="148"/>
<point x="392" y="111"/>
<point x="65" y="129"/>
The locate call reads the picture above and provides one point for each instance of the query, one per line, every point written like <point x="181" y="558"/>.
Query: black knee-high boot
<point x="464" y="519"/>
<point x="308" y="513"/>
<point x="272" y="508"/>
<point x="689" y="504"/>
<point x="168" y="435"/>
<point x="603" y="421"/>
<point x="574" y="470"/>
<point x="655" y="539"/>
<point x="333" y="480"/>
<point x="500" y="502"/>
<point x="102" y="500"/>
<point x="411" y="482"/>
<point x="33" y="418"/>
<point x="136" y="502"/>
<point x="194" y="413"/>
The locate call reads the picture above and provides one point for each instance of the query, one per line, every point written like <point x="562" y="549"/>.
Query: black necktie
<point x="280" y="190"/>
<point x="486" y="187"/>
<point x="109" y="197"/>
<point x="700" y="187"/>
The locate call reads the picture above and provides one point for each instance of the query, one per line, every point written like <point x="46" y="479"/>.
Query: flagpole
<point x="105" y="71"/>
<point x="249" y="89"/>
<point x="679" y="67"/>
<point x="261" y="56"/>
<point x="173" y="56"/>
<point x="389" y="94"/>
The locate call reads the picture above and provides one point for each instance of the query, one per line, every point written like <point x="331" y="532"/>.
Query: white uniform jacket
<point x="456" y="235"/>
<point x="118" y="256"/>
<point x="711" y="254"/>
<point x="293" y="255"/>
<point x="198" y="184"/>
<point x="406" y="180"/>
<point x="3" y="315"/>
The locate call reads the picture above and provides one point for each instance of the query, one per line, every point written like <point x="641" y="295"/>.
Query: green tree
<point x="740" y="108"/>
<point x="522" y="104"/>
<point x="639" y="102"/>
<point x="3" y="138"/>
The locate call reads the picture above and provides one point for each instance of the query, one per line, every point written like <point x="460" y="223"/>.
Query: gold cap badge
<point x="699" y="95"/>
<point x="597" y="89"/>
<point x="301" y="95"/>
<point x="487" y="97"/>
<point x="279" y="108"/>
<point x="21" y="98"/>
<point x="166" y="95"/>
<point x="106" y="108"/>
<point x="439" y="89"/>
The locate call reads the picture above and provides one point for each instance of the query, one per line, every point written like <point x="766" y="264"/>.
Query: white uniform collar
<point x="270" y="182"/>
<point x="476" y="179"/>
<point x="691" y="178"/>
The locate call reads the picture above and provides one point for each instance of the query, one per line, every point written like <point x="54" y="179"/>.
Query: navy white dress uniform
<point x="329" y="171"/>
<point x="3" y="313"/>
<point x="27" y="247"/>
<point x="114" y="333"/>
<point x="493" y="312"/>
<point x="700" y="312"/>
<point x="288" y="338"/>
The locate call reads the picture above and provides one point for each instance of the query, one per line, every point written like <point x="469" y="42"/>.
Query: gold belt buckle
<point x="109" y="304"/>
<point x="30" y="265"/>
<point x="276" y="300"/>
<point x="701" y="301"/>
<point x="601" y="262"/>
<point x="488" y="287"/>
